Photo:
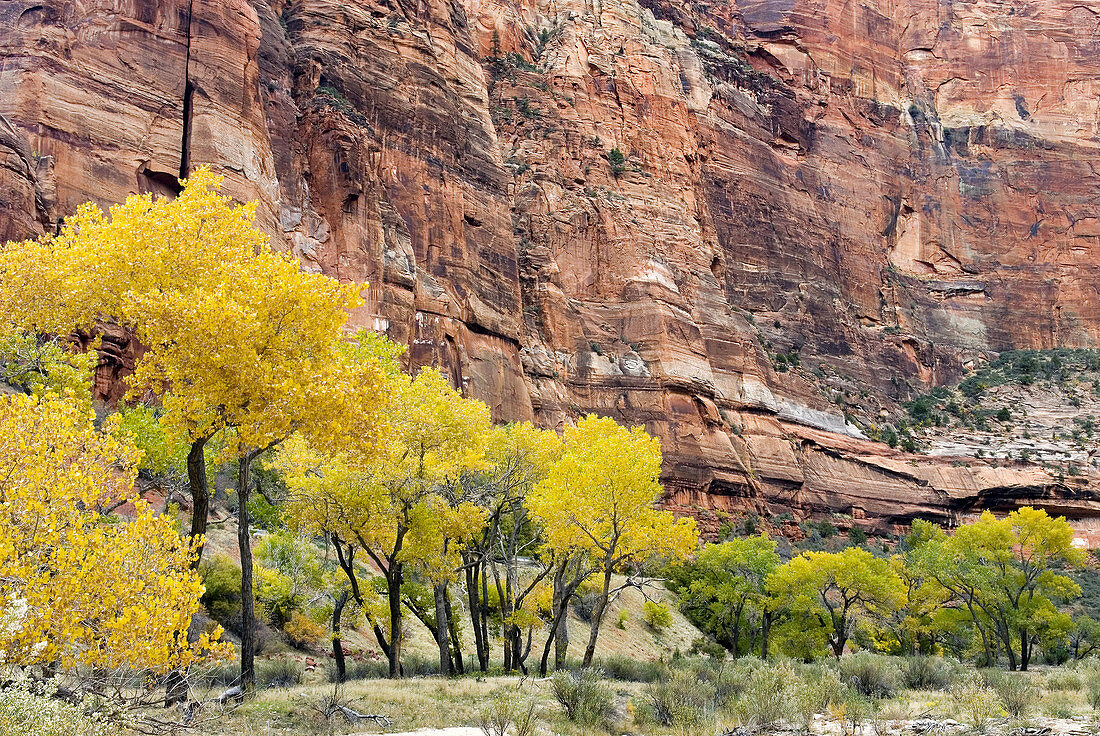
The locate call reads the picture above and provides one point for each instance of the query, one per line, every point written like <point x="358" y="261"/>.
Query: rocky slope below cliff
<point x="733" y="222"/>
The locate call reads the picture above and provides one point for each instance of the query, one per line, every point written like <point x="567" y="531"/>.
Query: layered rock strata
<point x="739" y="223"/>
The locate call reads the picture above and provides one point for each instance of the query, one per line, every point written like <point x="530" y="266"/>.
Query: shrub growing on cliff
<point x="617" y="161"/>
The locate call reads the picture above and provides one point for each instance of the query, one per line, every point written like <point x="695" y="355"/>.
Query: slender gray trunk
<point x="442" y="630"/>
<point x="244" y="543"/>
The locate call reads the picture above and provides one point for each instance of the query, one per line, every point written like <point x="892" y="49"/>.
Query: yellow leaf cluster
<point x="388" y="495"/>
<point x="237" y="335"/>
<point x="98" y="591"/>
<point x="598" y="496"/>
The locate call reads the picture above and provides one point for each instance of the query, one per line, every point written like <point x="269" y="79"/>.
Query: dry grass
<point x="417" y="704"/>
<point x="432" y="702"/>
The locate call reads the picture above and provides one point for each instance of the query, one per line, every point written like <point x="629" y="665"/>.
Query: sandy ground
<point x="464" y="731"/>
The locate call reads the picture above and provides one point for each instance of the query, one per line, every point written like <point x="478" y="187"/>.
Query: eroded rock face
<point x="732" y="222"/>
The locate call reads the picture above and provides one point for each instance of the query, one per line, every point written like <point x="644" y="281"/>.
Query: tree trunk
<point x="337" y="643"/>
<point x="561" y="630"/>
<point x="1025" y="649"/>
<point x="518" y="653"/>
<point x="737" y="629"/>
<point x="200" y="495"/>
<point x="452" y="625"/>
<point x="442" y="631"/>
<point x="475" y="613"/>
<point x="765" y="633"/>
<point x="485" y="613"/>
<point x="248" y="641"/>
<point x="841" y="637"/>
<point x="559" y="614"/>
<point x="504" y="598"/>
<point x="175" y="688"/>
<point x="561" y="641"/>
<point x="394" y="580"/>
<point x="597" y="618"/>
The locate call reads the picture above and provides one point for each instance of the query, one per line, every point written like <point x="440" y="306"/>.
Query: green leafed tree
<point x="1004" y="575"/>
<point x="722" y="591"/>
<point x="827" y="595"/>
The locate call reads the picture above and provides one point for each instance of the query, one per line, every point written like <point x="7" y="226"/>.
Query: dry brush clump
<point x="1015" y="690"/>
<point x="872" y="675"/>
<point x="681" y="700"/>
<point x="509" y="713"/>
<point x="584" y="695"/>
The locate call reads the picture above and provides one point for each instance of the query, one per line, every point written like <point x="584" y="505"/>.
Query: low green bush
<point x="872" y="675"/>
<point x="280" y="672"/>
<point x="366" y="670"/>
<point x="817" y="689"/>
<point x="766" y="697"/>
<point x="974" y="701"/>
<point x="628" y="669"/>
<point x="924" y="672"/>
<point x="221" y="577"/>
<point x="415" y="665"/>
<point x="729" y="677"/>
<point x="584" y="696"/>
<point x="508" y="714"/>
<point x="1015" y="690"/>
<point x="1059" y="704"/>
<point x="707" y="647"/>
<point x="23" y="712"/>
<point x="1092" y="690"/>
<point x="656" y="616"/>
<point x="681" y="700"/>
<point x="218" y="674"/>
<point x="1063" y="679"/>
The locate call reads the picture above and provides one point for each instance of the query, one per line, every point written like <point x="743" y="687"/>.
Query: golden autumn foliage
<point x="236" y="334"/>
<point x="384" y="497"/>
<point x="598" y="499"/>
<point x="101" y="262"/>
<point x="238" y="342"/>
<point x="98" y="590"/>
<point x="599" y="496"/>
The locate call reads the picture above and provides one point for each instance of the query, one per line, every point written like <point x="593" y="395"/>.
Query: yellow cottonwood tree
<point x="516" y="458"/>
<point x="236" y="336"/>
<point x="385" y="501"/>
<point x="233" y="329"/>
<point x="599" y="498"/>
<point x="95" y="593"/>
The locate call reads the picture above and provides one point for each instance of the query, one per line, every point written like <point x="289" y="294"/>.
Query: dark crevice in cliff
<point x="188" y="95"/>
<point x="479" y="329"/>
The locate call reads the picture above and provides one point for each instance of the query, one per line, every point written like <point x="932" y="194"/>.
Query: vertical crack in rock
<point x="188" y="93"/>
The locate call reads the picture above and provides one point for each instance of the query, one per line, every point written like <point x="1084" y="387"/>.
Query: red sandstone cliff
<point x="888" y="189"/>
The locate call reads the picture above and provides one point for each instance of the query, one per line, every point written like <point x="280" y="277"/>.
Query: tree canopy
<point x="97" y="591"/>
